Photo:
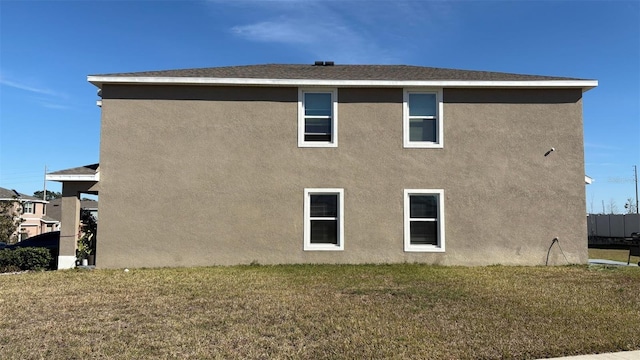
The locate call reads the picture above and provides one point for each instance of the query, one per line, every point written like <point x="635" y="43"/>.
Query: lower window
<point x="323" y="219"/>
<point x="424" y="220"/>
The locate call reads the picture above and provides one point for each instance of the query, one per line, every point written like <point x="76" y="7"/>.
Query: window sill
<point x="323" y="248"/>
<point x="317" y="145"/>
<point x="423" y="248"/>
<point x="419" y="145"/>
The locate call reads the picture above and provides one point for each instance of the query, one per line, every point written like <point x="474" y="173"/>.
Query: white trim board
<point x="66" y="262"/>
<point x="50" y="221"/>
<point x="77" y="177"/>
<point x="151" y="80"/>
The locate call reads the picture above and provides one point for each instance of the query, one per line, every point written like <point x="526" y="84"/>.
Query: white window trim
<point x="405" y="120"/>
<point x="31" y="205"/>
<point x="334" y="118"/>
<point x="308" y="246"/>
<point x="408" y="247"/>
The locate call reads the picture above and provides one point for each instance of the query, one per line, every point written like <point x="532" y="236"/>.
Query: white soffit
<point x="76" y="177"/>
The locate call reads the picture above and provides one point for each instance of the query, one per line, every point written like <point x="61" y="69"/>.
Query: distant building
<point x="32" y="211"/>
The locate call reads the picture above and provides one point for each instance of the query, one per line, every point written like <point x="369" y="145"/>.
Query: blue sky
<point x="48" y="114"/>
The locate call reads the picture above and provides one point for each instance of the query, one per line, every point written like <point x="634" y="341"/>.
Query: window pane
<point x="424" y="206"/>
<point x="422" y="130"/>
<point x="324" y="232"/>
<point x="317" y="104"/>
<point x="422" y="104"/>
<point x="424" y="232"/>
<point x="324" y="206"/>
<point x="27" y="208"/>
<point x="317" y="126"/>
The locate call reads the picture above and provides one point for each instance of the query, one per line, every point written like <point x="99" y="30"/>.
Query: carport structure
<point x="75" y="181"/>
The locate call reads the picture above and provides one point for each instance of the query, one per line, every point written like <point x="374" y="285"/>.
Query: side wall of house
<point x="196" y="176"/>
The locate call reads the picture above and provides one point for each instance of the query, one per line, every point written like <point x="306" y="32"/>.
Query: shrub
<point x="27" y="258"/>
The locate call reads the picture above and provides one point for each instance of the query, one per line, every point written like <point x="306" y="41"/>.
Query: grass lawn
<point x="320" y="311"/>
<point x="611" y="254"/>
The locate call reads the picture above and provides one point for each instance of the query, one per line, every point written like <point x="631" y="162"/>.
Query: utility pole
<point x="44" y="187"/>
<point x="635" y="171"/>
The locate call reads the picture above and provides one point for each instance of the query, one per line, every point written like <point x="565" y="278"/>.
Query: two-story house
<point x="325" y="163"/>
<point x="32" y="212"/>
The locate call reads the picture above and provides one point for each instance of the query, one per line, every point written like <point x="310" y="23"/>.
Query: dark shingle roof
<point x="82" y="170"/>
<point x="10" y="194"/>
<point x="339" y="72"/>
<point x="7" y="193"/>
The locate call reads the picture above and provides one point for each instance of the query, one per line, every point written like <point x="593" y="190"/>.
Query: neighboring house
<point x="335" y="164"/>
<point x="54" y="208"/>
<point x="32" y="211"/>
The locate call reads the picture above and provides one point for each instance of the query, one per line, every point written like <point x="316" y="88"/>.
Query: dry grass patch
<point x="323" y="311"/>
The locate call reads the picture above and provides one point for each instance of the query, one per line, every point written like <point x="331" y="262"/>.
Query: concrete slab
<point x="610" y="262"/>
<point x="624" y="355"/>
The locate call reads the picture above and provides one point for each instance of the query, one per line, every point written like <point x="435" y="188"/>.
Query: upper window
<point x="317" y="118"/>
<point x="28" y="208"/>
<point x="323" y="219"/>
<point x="422" y="119"/>
<point x="424" y="220"/>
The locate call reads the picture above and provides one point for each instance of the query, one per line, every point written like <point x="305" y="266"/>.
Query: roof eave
<point x="52" y="221"/>
<point x="585" y="85"/>
<point x="73" y="177"/>
<point x="21" y="199"/>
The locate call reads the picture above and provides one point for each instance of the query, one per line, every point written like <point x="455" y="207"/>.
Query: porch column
<point x="83" y="179"/>
<point x="69" y="226"/>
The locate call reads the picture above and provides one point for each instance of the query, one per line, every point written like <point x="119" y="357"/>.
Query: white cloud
<point x="40" y="95"/>
<point x="328" y="40"/>
<point x="270" y="31"/>
<point x="342" y="31"/>
<point x="26" y="87"/>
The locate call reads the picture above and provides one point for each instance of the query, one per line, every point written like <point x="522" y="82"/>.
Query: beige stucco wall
<point x="32" y="223"/>
<point x="70" y="214"/>
<point x="211" y="175"/>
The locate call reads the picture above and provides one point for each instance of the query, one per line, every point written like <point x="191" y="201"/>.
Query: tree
<point x="50" y="195"/>
<point x="631" y="206"/>
<point x="9" y="220"/>
<point x="613" y="207"/>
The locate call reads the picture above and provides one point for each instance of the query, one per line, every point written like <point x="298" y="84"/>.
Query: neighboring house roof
<point x="348" y="75"/>
<point x="82" y="173"/>
<point x="7" y="194"/>
<point x="54" y="209"/>
<point x="48" y="219"/>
